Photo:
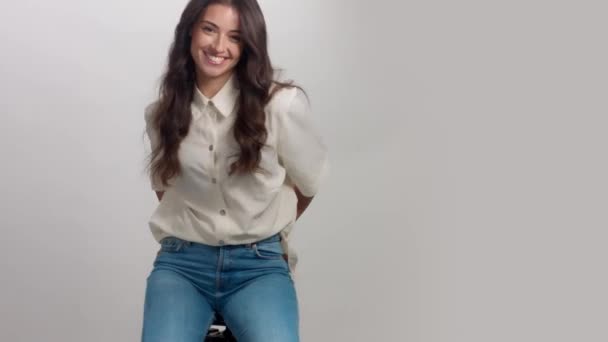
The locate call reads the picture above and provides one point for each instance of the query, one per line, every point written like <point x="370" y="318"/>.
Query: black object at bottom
<point x="215" y="335"/>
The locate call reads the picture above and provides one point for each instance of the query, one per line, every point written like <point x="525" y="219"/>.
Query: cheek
<point x="198" y="42"/>
<point x="237" y="53"/>
<point x="194" y="46"/>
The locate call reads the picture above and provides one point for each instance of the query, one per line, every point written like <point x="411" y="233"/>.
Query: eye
<point x="236" y="39"/>
<point x="207" y="29"/>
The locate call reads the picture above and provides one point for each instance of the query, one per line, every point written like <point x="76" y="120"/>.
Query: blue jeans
<point x="248" y="285"/>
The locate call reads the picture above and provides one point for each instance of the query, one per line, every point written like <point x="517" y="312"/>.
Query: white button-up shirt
<point x="204" y="204"/>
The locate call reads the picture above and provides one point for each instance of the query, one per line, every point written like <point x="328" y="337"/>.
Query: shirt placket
<point x="213" y="148"/>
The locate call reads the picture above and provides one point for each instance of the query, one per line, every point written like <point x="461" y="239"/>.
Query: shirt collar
<point x="224" y="100"/>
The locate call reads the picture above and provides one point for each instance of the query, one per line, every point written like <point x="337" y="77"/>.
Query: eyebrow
<point x="217" y="27"/>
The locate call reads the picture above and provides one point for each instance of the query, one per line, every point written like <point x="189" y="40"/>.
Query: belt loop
<point x="182" y="243"/>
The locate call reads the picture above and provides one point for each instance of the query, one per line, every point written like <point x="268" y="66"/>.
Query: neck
<point x="211" y="86"/>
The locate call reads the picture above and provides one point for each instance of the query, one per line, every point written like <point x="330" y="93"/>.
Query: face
<point x="216" y="42"/>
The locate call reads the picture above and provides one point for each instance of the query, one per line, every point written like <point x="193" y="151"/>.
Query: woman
<point x="235" y="161"/>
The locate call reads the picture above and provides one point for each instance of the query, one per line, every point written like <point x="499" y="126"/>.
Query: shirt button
<point x="210" y="147"/>
<point x="221" y="242"/>
<point x="222" y="212"/>
<point x="213" y="180"/>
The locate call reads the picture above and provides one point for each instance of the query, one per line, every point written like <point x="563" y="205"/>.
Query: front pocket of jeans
<point x="271" y="250"/>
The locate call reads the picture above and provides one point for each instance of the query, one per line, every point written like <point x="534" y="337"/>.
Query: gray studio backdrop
<point x="467" y="199"/>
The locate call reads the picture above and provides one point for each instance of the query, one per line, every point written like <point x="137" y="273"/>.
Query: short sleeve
<point x="153" y="137"/>
<point x="300" y="147"/>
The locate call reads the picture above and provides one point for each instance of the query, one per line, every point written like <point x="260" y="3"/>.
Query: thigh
<point x="174" y="310"/>
<point x="265" y="310"/>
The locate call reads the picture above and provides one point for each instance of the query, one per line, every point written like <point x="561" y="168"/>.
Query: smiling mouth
<point x="214" y="60"/>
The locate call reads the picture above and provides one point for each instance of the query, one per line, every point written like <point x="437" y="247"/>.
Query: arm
<point x="153" y="137"/>
<point x="301" y="150"/>
<point x="303" y="202"/>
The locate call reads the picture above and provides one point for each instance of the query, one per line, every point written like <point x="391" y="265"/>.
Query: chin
<point x="214" y="72"/>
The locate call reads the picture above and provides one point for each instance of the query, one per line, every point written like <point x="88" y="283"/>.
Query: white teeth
<point x="215" y="59"/>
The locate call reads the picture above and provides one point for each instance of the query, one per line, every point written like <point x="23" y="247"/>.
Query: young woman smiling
<point x="235" y="160"/>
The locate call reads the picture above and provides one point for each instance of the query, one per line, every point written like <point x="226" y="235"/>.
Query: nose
<point x="220" y="43"/>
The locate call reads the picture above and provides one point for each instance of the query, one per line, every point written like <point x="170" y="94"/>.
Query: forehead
<point x="224" y="16"/>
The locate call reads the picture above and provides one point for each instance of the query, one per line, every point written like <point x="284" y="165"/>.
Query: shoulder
<point x="150" y="111"/>
<point x="286" y="99"/>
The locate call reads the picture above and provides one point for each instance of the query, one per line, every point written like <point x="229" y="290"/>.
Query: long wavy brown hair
<point x="171" y="116"/>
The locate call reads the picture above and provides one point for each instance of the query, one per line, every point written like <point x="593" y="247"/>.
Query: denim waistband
<point x="274" y="238"/>
<point x="168" y="239"/>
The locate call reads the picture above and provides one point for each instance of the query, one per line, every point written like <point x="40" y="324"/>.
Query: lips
<point x="214" y="60"/>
